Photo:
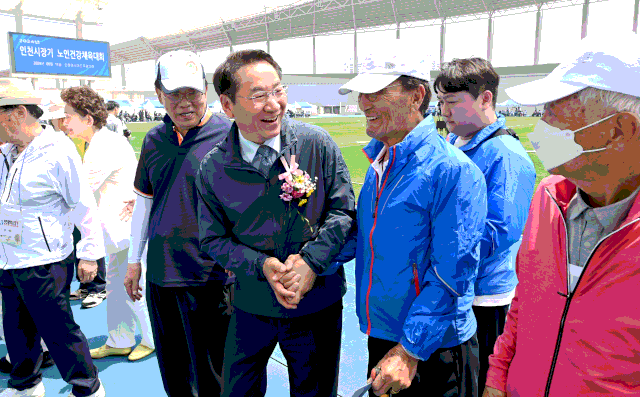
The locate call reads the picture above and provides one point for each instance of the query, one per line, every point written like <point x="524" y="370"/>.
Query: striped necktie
<point x="264" y="159"/>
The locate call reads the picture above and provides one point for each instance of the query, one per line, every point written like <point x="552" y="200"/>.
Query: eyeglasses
<point x="260" y="98"/>
<point x="374" y="96"/>
<point x="191" y="96"/>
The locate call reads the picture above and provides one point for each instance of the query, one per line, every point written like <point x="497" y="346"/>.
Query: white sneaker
<point x="99" y="393"/>
<point x="35" y="391"/>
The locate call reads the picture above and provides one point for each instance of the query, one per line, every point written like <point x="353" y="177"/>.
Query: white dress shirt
<point x="249" y="149"/>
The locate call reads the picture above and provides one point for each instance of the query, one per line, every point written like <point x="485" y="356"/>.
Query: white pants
<point x="122" y="312"/>
<point x="44" y="347"/>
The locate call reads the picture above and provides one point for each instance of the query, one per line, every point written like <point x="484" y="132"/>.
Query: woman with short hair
<point x="110" y="164"/>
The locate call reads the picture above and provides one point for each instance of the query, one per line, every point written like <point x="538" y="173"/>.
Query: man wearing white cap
<point x="572" y="328"/>
<point x="421" y="214"/>
<point x="184" y="287"/>
<point x="43" y="196"/>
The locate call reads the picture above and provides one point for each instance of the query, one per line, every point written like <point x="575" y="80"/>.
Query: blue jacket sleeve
<point x="510" y="180"/>
<point x="458" y="210"/>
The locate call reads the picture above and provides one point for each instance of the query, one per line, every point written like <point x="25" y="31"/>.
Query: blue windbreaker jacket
<point x="418" y="238"/>
<point x="510" y="177"/>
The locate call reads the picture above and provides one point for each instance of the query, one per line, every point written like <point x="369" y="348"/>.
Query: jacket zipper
<point x="375" y="220"/>
<point x="45" y="237"/>
<point x="416" y="280"/>
<point x="10" y="185"/>
<point x="570" y="294"/>
<point x="6" y="162"/>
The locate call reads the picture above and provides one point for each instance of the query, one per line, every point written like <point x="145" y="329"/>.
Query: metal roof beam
<point x="31" y="16"/>
<point x="189" y="43"/>
<point x="146" y="42"/>
<point x="395" y="15"/>
<point x="226" y="33"/>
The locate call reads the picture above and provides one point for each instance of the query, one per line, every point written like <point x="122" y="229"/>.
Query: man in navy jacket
<point x="253" y="224"/>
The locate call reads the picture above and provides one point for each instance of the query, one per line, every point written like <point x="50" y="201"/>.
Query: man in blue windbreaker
<point x="467" y="91"/>
<point x="421" y="215"/>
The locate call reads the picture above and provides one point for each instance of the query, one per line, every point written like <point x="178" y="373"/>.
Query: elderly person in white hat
<point x="573" y="326"/>
<point x="43" y="196"/>
<point x="421" y="214"/>
<point x="53" y="112"/>
<point x="55" y="115"/>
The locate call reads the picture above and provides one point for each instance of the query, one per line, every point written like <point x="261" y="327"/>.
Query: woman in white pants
<point x="110" y="164"/>
<point x="124" y="315"/>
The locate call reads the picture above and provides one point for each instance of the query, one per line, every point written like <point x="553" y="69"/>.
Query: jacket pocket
<point x="416" y="279"/>
<point x="43" y="235"/>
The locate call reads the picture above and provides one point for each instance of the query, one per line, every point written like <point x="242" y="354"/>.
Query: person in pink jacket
<point x="574" y="326"/>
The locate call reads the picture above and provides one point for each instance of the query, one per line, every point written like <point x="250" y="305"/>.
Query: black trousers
<point x="189" y="329"/>
<point x="99" y="283"/>
<point x="35" y="304"/>
<point x="310" y="344"/>
<point x="449" y="372"/>
<point x="491" y="322"/>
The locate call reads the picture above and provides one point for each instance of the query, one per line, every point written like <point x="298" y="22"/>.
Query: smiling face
<point x="389" y="112"/>
<point x="186" y="106"/>
<point x="258" y="122"/>
<point x="77" y="125"/>
<point x="9" y="126"/>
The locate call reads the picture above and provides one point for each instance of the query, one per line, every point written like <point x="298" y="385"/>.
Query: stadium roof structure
<point x="317" y="17"/>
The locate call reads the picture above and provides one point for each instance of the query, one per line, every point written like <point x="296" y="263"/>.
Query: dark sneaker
<point x="78" y="294"/>
<point x="47" y="361"/>
<point x="5" y="365"/>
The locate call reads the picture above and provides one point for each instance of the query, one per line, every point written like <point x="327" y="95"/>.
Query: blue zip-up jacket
<point x="510" y="177"/>
<point x="418" y="240"/>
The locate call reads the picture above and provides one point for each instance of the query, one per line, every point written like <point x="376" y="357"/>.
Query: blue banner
<point x="37" y="54"/>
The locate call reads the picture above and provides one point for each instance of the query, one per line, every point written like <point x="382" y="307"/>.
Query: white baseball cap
<point x="180" y="69"/>
<point x="53" y="112"/>
<point x="52" y="105"/>
<point x="609" y="62"/>
<point x="385" y="66"/>
<point x="18" y="92"/>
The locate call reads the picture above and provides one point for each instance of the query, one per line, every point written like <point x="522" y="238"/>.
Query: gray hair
<point x="611" y="100"/>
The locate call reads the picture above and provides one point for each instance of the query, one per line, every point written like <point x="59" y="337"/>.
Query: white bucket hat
<point x="609" y="62"/>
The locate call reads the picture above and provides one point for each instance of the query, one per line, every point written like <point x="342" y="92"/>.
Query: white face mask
<point x="555" y="147"/>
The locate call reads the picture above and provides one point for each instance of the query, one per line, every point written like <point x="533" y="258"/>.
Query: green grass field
<point x="349" y="134"/>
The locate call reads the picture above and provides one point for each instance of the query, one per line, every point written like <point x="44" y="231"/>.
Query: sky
<point x="123" y="20"/>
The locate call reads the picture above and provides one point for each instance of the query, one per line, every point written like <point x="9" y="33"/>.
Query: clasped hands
<point x="290" y="280"/>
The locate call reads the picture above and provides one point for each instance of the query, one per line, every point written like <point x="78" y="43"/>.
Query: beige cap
<point x="18" y="92"/>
